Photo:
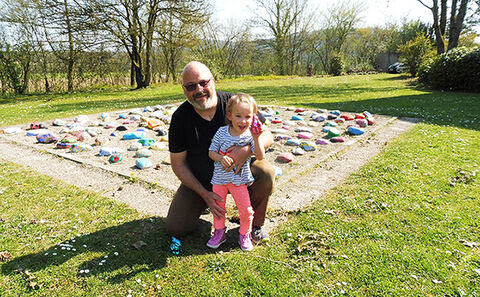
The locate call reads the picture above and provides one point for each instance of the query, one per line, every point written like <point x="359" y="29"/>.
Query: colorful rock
<point x="285" y="127"/>
<point x="46" y="138"/>
<point x="134" y="135"/>
<point x="370" y="121"/>
<point x="303" y="129"/>
<point x="293" y="142"/>
<point x="297" y="118"/>
<point x="277" y="121"/>
<point x="279" y="137"/>
<point x="362" y="123"/>
<point x="146" y="141"/>
<point x="347" y="117"/>
<point x="80" y="147"/>
<point x="143" y="153"/>
<point x="308" y="146"/>
<point x="321" y="141"/>
<point x="319" y="118"/>
<point x="333" y="132"/>
<point x="330" y="124"/>
<point x="152" y="123"/>
<point x="360" y="116"/>
<point x="305" y="135"/>
<point x="352" y="130"/>
<point x="326" y="128"/>
<point x="143" y="163"/>
<point x="300" y="109"/>
<point x="298" y="151"/>
<point x="337" y="139"/>
<point x="335" y="112"/>
<point x="339" y="121"/>
<point x="107" y="151"/>
<point x="331" y="117"/>
<point x="285" y="157"/>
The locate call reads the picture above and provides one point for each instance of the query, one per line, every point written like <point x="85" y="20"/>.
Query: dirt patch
<point x="150" y="190"/>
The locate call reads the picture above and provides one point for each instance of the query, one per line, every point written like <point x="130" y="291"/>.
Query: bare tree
<point x="458" y="10"/>
<point x="288" y="21"/>
<point x="340" y="21"/>
<point x="133" y="24"/>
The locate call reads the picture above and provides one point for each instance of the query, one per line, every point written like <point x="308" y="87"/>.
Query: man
<point x="192" y="128"/>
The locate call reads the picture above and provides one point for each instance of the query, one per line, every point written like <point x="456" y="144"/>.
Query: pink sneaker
<point x="245" y="242"/>
<point x="217" y="239"/>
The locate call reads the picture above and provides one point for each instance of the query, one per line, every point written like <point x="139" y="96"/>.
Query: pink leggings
<point x="242" y="200"/>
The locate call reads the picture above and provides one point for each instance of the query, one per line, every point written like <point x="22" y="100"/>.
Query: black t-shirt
<point x="192" y="133"/>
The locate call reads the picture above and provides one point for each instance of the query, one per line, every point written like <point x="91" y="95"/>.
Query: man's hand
<point x="239" y="154"/>
<point x="217" y="211"/>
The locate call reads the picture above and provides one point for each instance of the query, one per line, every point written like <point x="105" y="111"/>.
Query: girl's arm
<point x="259" y="151"/>
<point x="225" y="160"/>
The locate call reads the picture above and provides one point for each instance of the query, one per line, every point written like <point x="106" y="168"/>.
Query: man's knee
<point x="264" y="174"/>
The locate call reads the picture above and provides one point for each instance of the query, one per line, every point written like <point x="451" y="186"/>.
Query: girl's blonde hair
<point x="236" y="99"/>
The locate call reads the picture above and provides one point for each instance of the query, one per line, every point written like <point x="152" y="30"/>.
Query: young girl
<point x="239" y="131"/>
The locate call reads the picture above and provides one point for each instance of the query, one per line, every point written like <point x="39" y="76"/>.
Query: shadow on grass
<point x="112" y="250"/>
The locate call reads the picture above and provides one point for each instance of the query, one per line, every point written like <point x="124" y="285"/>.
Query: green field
<point x="406" y="224"/>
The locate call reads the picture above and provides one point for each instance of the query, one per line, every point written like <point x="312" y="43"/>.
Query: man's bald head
<point x="195" y="67"/>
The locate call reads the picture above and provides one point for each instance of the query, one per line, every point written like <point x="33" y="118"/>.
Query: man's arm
<point x="181" y="170"/>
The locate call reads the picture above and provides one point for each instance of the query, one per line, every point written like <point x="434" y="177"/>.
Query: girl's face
<point x="241" y="117"/>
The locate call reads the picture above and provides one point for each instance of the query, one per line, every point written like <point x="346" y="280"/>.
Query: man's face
<point x="199" y="88"/>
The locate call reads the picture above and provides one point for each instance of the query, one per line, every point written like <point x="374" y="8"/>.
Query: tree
<point x="340" y="22"/>
<point x="458" y="10"/>
<point x="415" y="51"/>
<point x="15" y="65"/>
<point x="133" y="24"/>
<point x="288" y="21"/>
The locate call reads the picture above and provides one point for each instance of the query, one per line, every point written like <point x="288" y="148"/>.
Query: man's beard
<point x="210" y="102"/>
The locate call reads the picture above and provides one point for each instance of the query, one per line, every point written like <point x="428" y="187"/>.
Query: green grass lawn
<point x="406" y="224"/>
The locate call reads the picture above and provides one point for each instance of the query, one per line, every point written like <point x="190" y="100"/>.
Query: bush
<point x="336" y="65"/>
<point x="458" y="69"/>
<point x="415" y="51"/>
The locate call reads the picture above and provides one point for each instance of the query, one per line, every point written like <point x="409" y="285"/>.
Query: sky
<point x="376" y="12"/>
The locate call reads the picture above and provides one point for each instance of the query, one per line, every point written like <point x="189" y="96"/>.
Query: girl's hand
<point x="256" y="126"/>
<point x="227" y="161"/>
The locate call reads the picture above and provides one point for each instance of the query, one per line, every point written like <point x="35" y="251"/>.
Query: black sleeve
<point x="176" y="133"/>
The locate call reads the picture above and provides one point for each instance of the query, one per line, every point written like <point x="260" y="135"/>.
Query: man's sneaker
<point x="259" y="234"/>
<point x="245" y="242"/>
<point x="217" y="239"/>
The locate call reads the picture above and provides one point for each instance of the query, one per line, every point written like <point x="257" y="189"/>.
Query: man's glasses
<point x="193" y="86"/>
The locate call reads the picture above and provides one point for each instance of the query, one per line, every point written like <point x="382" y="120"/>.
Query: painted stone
<point x="370" y="121"/>
<point x="152" y="123"/>
<point x="300" y="109"/>
<point x="355" y="131"/>
<point x="113" y="134"/>
<point x="160" y="132"/>
<point x="256" y="126"/>
<point x="303" y="129"/>
<point x="290" y="123"/>
<point x="278" y="171"/>
<point x="367" y="114"/>
<point x="285" y="127"/>
<point x="134" y="135"/>
<point x="158" y="146"/>
<point x="68" y="138"/>
<point x="143" y="153"/>
<point x="285" y="157"/>
<point x="331" y="124"/>
<point x="146" y="141"/>
<point x="141" y="130"/>
<point x="143" y="163"/>
<point x="135" y="117"/>
<point x="297" y="118"/>
<point x="335" y="112"/>
<point x="121" y="128"/>
<point x="103" y="116"/>
<point x="36" y="132"/>
<point x="337" y="139"/>
<point x="326" y="128"/>
<point x="353" y="125"/>
<point x="277" y="121"/>
<point x="362" y="123"/>
<point x="331" y="117"/>
<point x="293" y="142"/>
<point x="148" y="109"/>
<point x="360" y="116"/>
<point x="115" y="158"/>
<point x="58" y="122"/>
<point x="135" y="146"/>
<point x="62" y="145"/>
<point x="347" y="117"/>
<point x="308" y="146"/>
<point x="305" y="135"/>
<point x="279" y="137"/>
<point x="164" y="138"/>
<point x="321" y="141"/>
<point x="80" y="147"/>
<point x="333" y="132"/>
<point x="312" y="124"/>
<point x="122" y="116"/>
<point x="46" y="138"/>
<point x="303" y="113"/>
<point x="298" y="151"/>
<point x="339" y="121"/>
<point x="110" y="125"/>
<point x="278" y="131"/>
<point x="107" y="151"/>
<point x="319" y="118"/>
